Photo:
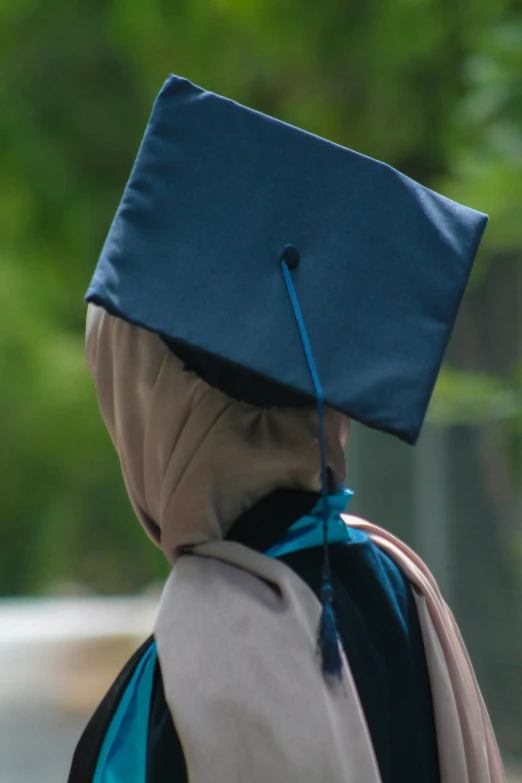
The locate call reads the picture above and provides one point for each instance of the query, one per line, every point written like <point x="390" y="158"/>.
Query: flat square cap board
<point x="218" y="190"/>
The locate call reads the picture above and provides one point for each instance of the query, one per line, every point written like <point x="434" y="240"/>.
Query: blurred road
<point x="36" y="745"/>
<point x="57" y="659"/>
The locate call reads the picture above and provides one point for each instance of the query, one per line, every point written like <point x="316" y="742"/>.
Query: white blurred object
<point x="41" y="620"/>
<point x="51" y="648"/>
<point x="58" y="657"/>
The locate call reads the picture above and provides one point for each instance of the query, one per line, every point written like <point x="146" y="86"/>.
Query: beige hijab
<point x="194" y="460"/>
<point x="236" y="631"/>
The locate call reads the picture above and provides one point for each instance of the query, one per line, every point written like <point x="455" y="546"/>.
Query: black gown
<point x="379" y="628"/>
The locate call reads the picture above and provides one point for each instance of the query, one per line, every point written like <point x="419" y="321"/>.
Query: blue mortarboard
<point x="217" y="192"/>
<point x="241" y="241"/>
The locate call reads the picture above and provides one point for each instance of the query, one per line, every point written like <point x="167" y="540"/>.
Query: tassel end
<point x="328" y="638"/>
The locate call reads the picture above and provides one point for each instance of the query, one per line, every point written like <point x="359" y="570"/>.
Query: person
<point x="293" y="642"/>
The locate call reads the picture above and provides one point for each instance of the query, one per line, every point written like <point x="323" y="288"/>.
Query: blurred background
<point x="433" y="87"/>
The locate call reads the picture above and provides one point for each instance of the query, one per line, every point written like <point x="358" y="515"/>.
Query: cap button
<point x="290" y="256"/>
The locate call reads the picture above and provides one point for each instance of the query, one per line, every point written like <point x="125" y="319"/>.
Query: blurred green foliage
<point x="433" y="87"/>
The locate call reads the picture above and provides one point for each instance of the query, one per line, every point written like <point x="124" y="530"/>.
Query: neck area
<point x="262" y="525"/>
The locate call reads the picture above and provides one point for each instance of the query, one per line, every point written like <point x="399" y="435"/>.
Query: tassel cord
<point x="328" y="637"/>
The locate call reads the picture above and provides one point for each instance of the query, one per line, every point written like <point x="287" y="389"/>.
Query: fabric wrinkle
<point x="193" y="459"/>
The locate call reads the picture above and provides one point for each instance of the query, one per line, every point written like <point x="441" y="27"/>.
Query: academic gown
<point x="380" y="632"/>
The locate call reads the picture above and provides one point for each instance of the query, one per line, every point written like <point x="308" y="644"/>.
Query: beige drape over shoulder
<point x="236" y="631"/>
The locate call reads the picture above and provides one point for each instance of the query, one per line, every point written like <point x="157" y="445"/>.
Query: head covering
<point x="379" y="262"/>
<point x="194" y="460"/>
<point x="240" y="717"/>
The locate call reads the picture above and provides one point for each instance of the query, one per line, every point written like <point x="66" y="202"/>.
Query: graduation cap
<point x="217" y="192"/>
<point x="242" y="240"/>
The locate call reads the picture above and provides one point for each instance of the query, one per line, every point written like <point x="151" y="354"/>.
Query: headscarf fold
<point x="193" y="460"/>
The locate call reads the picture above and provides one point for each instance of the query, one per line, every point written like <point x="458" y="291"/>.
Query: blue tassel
<point x="328" y="640"/>
<point x="328" y="636"/>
